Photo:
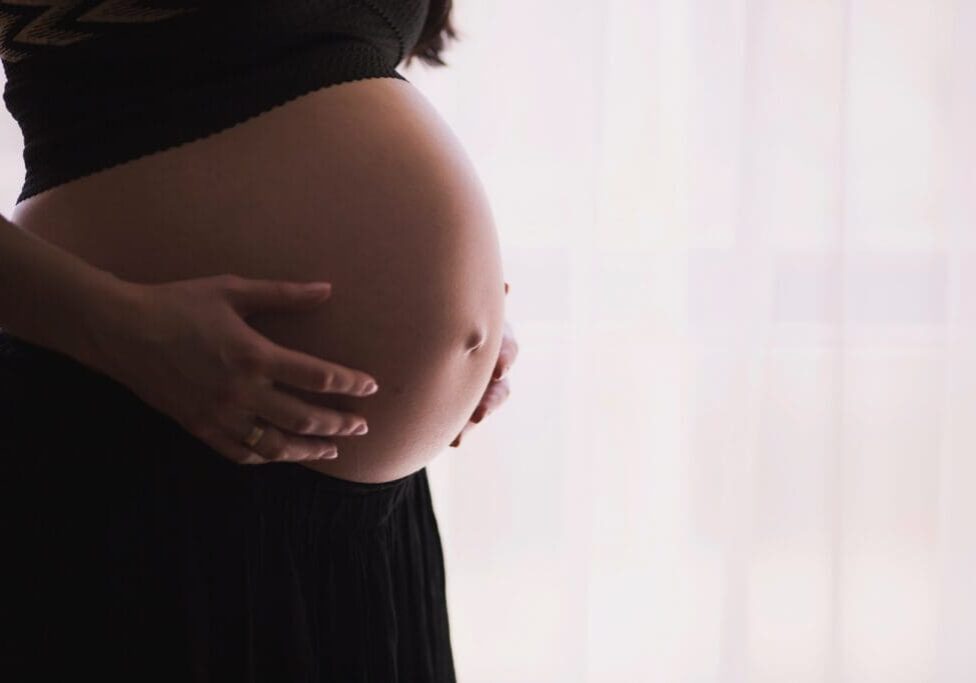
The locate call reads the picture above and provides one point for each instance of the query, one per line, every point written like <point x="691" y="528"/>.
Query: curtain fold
<point x="741" y="247"/>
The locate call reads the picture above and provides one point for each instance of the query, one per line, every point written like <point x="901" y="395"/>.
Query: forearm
<point x="52" y="298"/>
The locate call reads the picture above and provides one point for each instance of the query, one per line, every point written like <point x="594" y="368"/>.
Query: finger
<point x="507" y="353"/>
<point x="276" y="446"/>
<point x="299" y="417"/>
<point x="506" y="358"/>
<point x="305" y="371"/>
<point x="457" y="440"/>
<point x="249" y="295"/>
<point x="499" y="372"/>
<point x="495" y="395"/>
<point x="232" y="450"/>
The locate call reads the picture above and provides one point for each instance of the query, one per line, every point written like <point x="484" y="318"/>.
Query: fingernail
<point x="370" y="388"/>
<point x="330" y="455"/>
<point x="456" y="442"/>
<point x="497" y="374"/>
<point x="478" y="416"/>
<point x="361" y="429"/>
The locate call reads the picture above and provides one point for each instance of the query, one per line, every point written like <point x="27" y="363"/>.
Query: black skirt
<point x="132" y="551"/>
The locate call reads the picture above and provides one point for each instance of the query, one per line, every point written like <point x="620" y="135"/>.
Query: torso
<point x="361" y="184"/>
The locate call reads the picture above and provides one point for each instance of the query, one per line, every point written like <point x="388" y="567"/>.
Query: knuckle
<point x="249" y="358"/>
<point x="232" y="351"/>
<point x="228" y="280"/>
<point x="338" y="425"/>
<point x="229" y="394"/>
<point x="326" y="379"/>
<point x="303" y="424"/>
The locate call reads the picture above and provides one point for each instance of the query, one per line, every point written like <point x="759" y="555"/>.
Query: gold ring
<point x="255" y="436"/>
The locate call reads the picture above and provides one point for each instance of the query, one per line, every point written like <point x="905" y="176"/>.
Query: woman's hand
<point x="498" y="389"/>
<point x="184" y="348"/>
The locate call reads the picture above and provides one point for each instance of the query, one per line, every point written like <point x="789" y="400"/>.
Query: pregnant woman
<point x="189" y="489"/>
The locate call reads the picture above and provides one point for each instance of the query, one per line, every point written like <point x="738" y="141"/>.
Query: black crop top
<point x="94" y="83"/>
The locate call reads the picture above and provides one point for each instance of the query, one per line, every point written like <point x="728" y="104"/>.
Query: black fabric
<point x="132" y="551"/>
<point x="95" y="83"/>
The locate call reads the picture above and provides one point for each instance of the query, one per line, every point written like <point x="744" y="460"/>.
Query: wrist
<point x="108" y="306"/>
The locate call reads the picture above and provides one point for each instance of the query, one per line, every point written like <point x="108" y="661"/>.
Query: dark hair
<point x="437" y="29"/>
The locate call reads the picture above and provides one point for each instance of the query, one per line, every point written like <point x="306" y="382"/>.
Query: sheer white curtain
<point x="741" y="246"/>
<point x="741" y="439"/>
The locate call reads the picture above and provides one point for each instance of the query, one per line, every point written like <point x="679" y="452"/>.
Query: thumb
<point x="256" y="295"/>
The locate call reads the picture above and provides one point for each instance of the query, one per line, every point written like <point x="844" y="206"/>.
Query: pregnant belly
<point x="361" y="184"/>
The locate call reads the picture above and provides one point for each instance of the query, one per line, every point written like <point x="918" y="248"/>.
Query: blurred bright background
<point x="741" y="242"/>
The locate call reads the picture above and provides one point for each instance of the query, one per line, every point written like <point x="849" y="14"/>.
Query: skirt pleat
<point x="135" y="552"/>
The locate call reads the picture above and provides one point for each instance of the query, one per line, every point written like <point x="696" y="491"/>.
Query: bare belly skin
<point x="361" y="184"/>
